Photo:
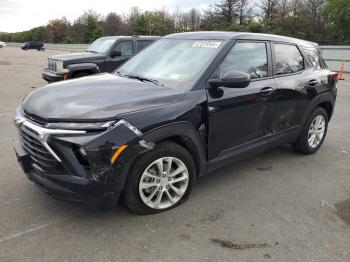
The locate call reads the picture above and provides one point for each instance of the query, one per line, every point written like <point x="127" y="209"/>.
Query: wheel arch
<point x="328" y="107"/>
<point x="325" y="100"/>
<point x="190" y="146"/>
<point x="184" y="134"/>
<point x="90" y="68"/>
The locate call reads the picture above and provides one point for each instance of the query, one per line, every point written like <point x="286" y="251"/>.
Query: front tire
<point x="160" y="180"/>
<point x="313" y="133"/>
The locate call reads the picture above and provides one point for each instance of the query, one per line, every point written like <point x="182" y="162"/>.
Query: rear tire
<point x="313" y="133"/>
<point x="149" y="191"/>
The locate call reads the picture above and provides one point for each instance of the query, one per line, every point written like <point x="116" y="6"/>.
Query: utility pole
<point x="150" y="28"/>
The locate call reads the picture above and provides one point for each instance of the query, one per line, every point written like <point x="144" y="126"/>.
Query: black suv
<point x="105" y="54"/>
<point x="183" y="107"/>
<point x="33" y="45"/>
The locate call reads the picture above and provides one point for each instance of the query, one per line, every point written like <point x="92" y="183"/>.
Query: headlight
<point x="81" y="126"/>
<point x="59" y="67"/>
<point x="102" y="159"/>
<point x="56" y="66"/>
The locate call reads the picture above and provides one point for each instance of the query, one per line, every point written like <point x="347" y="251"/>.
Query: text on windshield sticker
<point x="207" y="44"/>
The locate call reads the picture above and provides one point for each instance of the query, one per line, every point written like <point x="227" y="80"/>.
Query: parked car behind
<point x="104" y="55"/>
<point x="185" y="106"/>
<point x="2" y="44"/>
<point x="33" y="45"/>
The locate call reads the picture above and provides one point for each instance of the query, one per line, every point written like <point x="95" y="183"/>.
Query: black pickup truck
<point x="33" y="45"/>
<point x="105" y="54"/>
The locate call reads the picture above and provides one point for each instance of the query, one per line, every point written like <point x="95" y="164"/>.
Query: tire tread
<point x="302" y="145"/>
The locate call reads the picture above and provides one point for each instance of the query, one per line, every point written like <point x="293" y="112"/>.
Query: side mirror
<point x="116" y="53"/>
<point x="232" y="79"/>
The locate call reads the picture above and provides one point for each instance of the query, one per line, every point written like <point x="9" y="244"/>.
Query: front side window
<point x="288" y="59"/>
<point x="125" y="48"/>
<point x="250" y="58"/>
<point x="175" y="63"/>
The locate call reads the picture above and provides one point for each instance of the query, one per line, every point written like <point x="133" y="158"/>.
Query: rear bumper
<point x="66" y="186"/>
<point x="50" y="76"/>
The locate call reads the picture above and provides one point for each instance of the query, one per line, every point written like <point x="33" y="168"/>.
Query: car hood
<point x="97" y="97"/>
<point x="77" y="56"/>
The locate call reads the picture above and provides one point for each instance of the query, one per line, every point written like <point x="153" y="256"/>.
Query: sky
<point x="20" y="15"/>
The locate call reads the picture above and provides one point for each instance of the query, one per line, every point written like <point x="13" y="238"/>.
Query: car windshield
<point x="174" y="63"/>
<point x="101" y="45"/>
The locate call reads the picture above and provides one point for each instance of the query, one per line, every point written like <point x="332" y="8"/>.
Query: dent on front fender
<point x="114" y="179"/>
<point x="123" y="133"/>
<point x="120" y="134"/>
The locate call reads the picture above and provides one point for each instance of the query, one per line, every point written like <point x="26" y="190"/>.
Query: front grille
<point x="43" y="161"/>
<point x="52" y="66"/>
<point x="35" y="119"/>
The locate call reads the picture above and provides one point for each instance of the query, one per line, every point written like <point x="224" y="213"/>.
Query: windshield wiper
<point x="143" y="79"/>
<point x="90" y="51"/>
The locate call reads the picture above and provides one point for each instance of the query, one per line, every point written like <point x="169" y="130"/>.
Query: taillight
<point x="334" y="76"/>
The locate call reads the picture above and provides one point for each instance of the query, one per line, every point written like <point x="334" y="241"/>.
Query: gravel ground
<point x="279" y="206"/>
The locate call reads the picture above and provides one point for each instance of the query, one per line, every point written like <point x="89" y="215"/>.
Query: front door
<point x="126" y="50"/>
<point x="241" y="115"/>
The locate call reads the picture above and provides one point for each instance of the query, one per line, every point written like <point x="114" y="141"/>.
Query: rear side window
<point x="250" y="58"/>
<point x="288" y="59"/>
<point x="141" y="44"/>
<point x="315" y="57"/>
<point x="125" y="48"/>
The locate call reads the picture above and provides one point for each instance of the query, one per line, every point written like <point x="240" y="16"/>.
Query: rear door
<point x="126" y="49"/>
<point x="141" y="44"/>
<point x="319" y="67"/>
<point x="297" y="84"/>
<point x="241" y="115"/>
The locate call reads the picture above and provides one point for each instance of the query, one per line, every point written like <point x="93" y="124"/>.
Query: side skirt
<point x="253" y="148"/>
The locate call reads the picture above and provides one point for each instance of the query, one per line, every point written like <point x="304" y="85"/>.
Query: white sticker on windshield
<point x="207" y="44"/>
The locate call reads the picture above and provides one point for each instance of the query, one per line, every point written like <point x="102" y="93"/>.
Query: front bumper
<point x="65" y="186"/>
<point x="49" y="158"/>
<point x="51" y="76"/>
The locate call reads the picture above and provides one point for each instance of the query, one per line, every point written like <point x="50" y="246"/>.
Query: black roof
<point x="218" y="35"/>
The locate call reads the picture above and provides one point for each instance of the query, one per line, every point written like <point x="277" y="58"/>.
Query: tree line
<point x="322" y="21"/>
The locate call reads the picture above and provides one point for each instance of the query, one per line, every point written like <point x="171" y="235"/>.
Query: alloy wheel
<point x="163" y="183"/>
<point x="316" y="131"/>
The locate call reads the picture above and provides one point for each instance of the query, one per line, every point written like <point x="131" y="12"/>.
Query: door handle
<point x="313" y="82"/>
<point x="266" y="91"/>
